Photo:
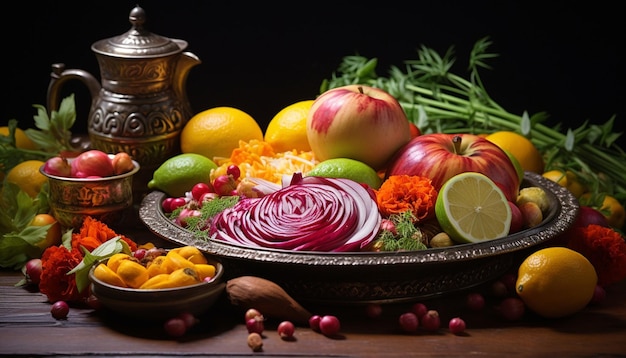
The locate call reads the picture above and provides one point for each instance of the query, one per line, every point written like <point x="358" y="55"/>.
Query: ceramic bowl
<point x="105" y="199"/>
<point x="377" y="277"/>
<point x="158" y="304"/>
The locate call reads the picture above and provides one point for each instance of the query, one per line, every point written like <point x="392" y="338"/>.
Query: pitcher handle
<point x="60" y="75"/>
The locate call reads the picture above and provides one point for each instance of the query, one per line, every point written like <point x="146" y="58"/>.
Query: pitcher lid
<point x="138" y="42"/>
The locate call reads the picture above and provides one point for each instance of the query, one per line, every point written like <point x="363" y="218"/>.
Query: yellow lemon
<point x="215" y="132"/>
<point x="521" y="148"/>
<point x="21" y="140"/>
<point x="27" y="176"/>
<point x="566" y="179"/>
<point x="287" y="130"/>
<point x="556" y="282"/>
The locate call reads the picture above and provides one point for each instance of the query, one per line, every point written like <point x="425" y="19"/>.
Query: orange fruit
<point x="287" y="130"/>
<point x="21" y="140"/>
<point x="27" y="176"/>
<point x="556" y="282"/>
<point x="568" y="180"/>
<point x="216" y="132"/>
<point x="54" y="233"/>
<point x="521" y="148"/>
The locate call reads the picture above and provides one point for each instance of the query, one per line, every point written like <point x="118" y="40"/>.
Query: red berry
<point x="431" y="321"/>
<point x="456" y="325"/>
<point x="408" y="322"/>
<point x="286" y="329"/>
<point x="330" y="325"/>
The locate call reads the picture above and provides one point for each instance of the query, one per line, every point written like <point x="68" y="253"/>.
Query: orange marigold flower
<point x="400" y="193"/>
<point x="93" y="233"/>
<point x="605" y="248"/>
<point x="56" y="284"/>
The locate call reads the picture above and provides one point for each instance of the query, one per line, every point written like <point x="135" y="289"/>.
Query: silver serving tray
<point x="376" y="277"/>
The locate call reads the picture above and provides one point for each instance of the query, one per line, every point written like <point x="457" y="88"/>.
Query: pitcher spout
<point x="186" y="62"/>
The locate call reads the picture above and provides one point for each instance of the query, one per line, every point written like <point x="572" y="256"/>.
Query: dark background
<point x="559" y="57"/>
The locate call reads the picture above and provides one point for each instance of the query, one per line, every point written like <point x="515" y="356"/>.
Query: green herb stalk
<point x="439" y="101"/>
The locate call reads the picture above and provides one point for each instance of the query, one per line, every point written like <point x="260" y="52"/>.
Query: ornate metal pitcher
<point x="141" y="106"/>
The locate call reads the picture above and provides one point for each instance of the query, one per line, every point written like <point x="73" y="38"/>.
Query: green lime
<point x="348" y="169"/>
<point x="180" y="173"/>
<point x="471" y="208"/>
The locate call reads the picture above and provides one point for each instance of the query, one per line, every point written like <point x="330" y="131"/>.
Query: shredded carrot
<point x="257" y="159"/>
<point x="401" y="193"/>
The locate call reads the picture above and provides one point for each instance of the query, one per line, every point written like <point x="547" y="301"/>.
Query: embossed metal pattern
<point x="363" y="277"/>
<point x="105" y="199"/>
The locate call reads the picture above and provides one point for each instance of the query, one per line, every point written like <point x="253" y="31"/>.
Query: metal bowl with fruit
<point x="182" y="290"/>
<point x="92" y="184"/>
<point x="364" y="277"/>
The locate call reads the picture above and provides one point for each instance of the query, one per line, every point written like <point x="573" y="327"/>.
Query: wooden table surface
<point x="28" y="329"/>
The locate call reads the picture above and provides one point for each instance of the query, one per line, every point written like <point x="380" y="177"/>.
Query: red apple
<point x="440" y="156"/>
<point x="517" y="219"/>
<point x="358" y="122"/>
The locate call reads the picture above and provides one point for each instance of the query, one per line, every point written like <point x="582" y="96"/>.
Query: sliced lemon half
<point x="471" y="208"/>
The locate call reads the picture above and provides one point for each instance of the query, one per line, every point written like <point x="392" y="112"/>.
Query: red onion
<point x="309" y="214"/>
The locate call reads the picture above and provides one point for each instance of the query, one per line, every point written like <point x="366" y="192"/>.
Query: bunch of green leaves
<point x="439" y="101"/>
<point x="52" y="135"/>
<point x="18" y="238"/>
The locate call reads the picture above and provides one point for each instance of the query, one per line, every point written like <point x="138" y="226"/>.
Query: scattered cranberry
<point x="408" y="322"/>
<point x="60" y="310"/>
<point x="509" y="280"/>
<point x="419" y="309"/>
<point x="175" y="327"/>
<point x="200" y="189"/>
<point x="373" y="310"/>
<point x="189" y="319"/>
<point x="498" y="289"/>
<point x="286" y="329"/>
<point x="431" y="321"/>
<point x="234" y="171"/>
<point x="94" y="302"/>
<point x="314" y="322"/>
<point x="475" y="301"/>
<point x="139" y="253"/>
<point x="512" y="308"/>
<point x="456" y="325"/>
<point x="329" y="325"/>
<point x="255" y="325"/>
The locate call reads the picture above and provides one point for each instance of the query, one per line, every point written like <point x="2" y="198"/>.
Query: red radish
<point x="92" y="163"/>
<point x="58" y="166"/>
<point x="32" y="270"/>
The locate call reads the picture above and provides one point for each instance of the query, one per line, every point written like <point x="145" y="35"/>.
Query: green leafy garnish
<point x="198" y="224"/>
<point x="52" y="135"/>
<point x="17" y="238"/>
<point x="408" y="237"/>
<point x="102" y="252"/>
